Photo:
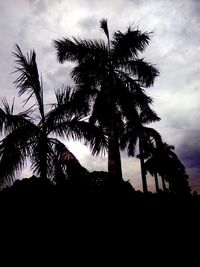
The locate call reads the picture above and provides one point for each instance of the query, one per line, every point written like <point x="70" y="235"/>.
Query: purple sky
<point x="174" y="48"/>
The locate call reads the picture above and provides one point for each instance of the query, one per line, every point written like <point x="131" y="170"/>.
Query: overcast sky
<point x="174" y="48"/>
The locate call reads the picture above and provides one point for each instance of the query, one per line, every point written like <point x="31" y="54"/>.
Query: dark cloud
<point x="189" y="149"/>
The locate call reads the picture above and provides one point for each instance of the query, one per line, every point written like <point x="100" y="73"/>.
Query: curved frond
<point x="96" y="138"/>
<point x="28" y="81"/>
<point x="141" y="99"/>
<point x="78" y="129"/>
<point x="127" y="45"/>
<point x="129" y="141"/>
<point x="144" y="71"/>
<point x="14" y="149"/>
<point x="151" y="165"/>
<point x="148" y="115"/>
<point x="68" y="127"/>
<point x="152" y="135"/>
<point x="64" y="110"/>
<point x="10" y="122"/>
<point x="12" y="160"/>
<point x="78" y="50"/>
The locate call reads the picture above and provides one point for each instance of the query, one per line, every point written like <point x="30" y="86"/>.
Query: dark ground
<point x="99" y="217"/>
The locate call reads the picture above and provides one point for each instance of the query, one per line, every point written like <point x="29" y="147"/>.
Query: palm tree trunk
<point x="43" y="156"/>
<point x="163" y="184"/>
<point x="114" y="158"/>
<point x="143" y="171"/>
<point x="156" y="182"/>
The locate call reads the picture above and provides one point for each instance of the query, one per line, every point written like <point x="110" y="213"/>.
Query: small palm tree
<point x="152" y="166"/>
<point x="166" y="163"/>
<point x="30" y="134"/>
<point x="112" y="78"/>
<point x="137" y="131"/>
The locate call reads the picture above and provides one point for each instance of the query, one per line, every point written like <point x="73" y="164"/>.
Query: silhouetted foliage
<point x="164" y="161"/>
<point x="111" y="78"/>
<point x="107" y="108"/>
<point x="137" y="131"/>
<point x="29" y="134"/>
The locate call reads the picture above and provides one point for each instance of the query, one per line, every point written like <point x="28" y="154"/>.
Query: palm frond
<point x="151" y="135"/>
<point x="144" y="71"/>
<point x="41" y="157"/>
<point x="61" y="111"/>
<point x="68" y="128"/>
<point x="152" y="165"/>
<point x="147" y="115"/>
<point x="28" y="81"/>
<point x="126" y="99"/>
<point x="104" y="27"/>
<point x="12" y="160"/>
<point x="133" y="85"/>
<point x="78" y="50"/>
<point x="66" y="111"/>
<point x="7" y="108"/>
<point x="74" y="100"/>
<point x="129" y="141"/>
<point x="63" y="95"/>
<point x="96" y="138"/>
<point x="77" y="129"/>
<point x="127" y="45"/>
<point x="14" y="150"/>
<point x="82" y="96"/>
<point x="10" y="122"/>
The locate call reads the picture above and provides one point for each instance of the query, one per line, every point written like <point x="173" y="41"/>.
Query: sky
<point x="174" y="48"/>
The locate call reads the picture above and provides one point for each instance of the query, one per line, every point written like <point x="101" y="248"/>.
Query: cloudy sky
<point x="174" y="48"/>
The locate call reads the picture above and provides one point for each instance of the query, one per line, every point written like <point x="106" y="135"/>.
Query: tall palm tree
<point x="112" y="78"/>
<point x="137" y="131"/>
<point x="30" y="134"/>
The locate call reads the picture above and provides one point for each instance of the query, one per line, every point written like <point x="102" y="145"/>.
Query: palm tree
<point x="112" y="78"/>
<point x="166" y="163"/>
<point x="152" y="166"/>
<point x="137" y="131"/>
<point x="30" y="134"/>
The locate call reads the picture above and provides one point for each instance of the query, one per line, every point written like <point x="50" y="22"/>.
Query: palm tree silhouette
<point x="30" y="134"/>
<point x="152" y="165"/>
<point x="137" y="131"/>
<point x="111" y="77"/>
<point x="166" y="163"/>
